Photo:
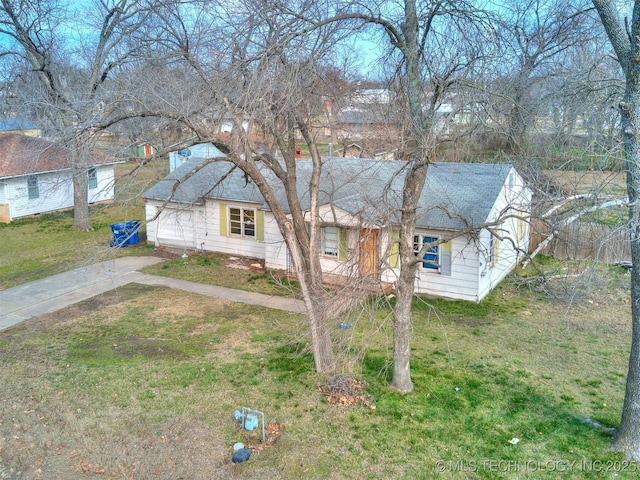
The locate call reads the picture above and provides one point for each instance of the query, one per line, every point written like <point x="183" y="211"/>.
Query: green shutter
<point x="260" y="225"/>
<point x="445" y="258"/>
<point x="394" y="255"/>
<point x="223" y="219"/>
<point x="343" y="244"/>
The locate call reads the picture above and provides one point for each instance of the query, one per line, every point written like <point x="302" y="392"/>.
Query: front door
<point x="368" y="254"/>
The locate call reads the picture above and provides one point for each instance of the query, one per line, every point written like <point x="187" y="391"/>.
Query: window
<point x="242" y="222"/>
<point x="329" y="241"/>
<point x="93" y="177"/>
<point x="431" y="258"/>
<point x="33" y="190"/>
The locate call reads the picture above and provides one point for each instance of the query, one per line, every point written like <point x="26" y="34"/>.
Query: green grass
<point x="42" y="245"/>
<point x="145" y="380"/>
<point x="45" y="245"/>
<point x="133" y="362"/>
<point x="212" y="268"/>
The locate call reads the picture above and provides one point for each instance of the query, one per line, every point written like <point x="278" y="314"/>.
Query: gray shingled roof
<point x="454" y="193"/>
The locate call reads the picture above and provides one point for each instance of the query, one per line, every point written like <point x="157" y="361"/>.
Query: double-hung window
<point x="33" y="190"/>
<point x="431" y="257"/>
<point x="92" y="178"/>
<point x="329" y="241"/>
<point x="242" y="222"/>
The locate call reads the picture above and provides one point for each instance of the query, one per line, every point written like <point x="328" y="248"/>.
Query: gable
<point x="458" y="194"/>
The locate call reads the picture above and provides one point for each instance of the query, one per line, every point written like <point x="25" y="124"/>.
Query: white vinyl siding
<point x="54" y="191"/>
<point x="175" y="228"/>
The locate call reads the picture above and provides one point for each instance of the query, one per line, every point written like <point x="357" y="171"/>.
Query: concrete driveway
<point x="57" y="291"/>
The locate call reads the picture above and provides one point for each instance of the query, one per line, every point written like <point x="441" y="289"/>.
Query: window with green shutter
<point x="445" y="257"/>
<point x="436" y="258"/>
<point x="242" y="222"/>
<point x="494" y="250"/>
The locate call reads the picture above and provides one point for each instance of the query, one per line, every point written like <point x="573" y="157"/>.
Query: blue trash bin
<point x="131" y="228"/>
<point x="119" y="235"/>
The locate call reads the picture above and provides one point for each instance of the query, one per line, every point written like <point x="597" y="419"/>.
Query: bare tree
<point x="433" y="44"/>
<point x="66" y="56"/>
<point x="270" y="85"/>
<point x="624" y="34"/>
<point x="534" y="37"/>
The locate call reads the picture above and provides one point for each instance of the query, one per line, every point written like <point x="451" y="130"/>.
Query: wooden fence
<point x="583" y="241"/>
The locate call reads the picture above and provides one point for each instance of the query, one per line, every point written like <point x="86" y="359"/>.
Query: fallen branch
<point x="569" y="220"/>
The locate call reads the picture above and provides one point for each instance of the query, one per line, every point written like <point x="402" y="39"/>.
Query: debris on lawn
<point x="273" y="432"/>
<point x="346" y="390"/>
<point x="514" y="441"/>
<point x="241" y="455"/>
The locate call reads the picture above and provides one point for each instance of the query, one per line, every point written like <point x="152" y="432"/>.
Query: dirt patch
<point x="89" y="430"/>
<point x="115" y="296"/>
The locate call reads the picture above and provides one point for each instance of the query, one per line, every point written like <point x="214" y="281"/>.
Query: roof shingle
<point x="24" y="155"/>
<point x="455" y="194"/>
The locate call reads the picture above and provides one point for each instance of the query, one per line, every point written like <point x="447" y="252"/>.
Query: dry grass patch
<point x="81" y="405"/>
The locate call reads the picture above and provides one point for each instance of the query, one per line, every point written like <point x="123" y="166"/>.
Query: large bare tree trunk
<point x="81" y="219"/>
<point x="414" y="182"/>
<point x="627" y="438"/>
<point x="625" y="39"/>
<point x="405" y="287"/>
<point x="313" y="294"/>
<point x="79" y="158"/>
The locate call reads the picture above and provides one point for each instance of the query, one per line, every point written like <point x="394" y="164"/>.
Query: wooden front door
<point x="368" y="254"/>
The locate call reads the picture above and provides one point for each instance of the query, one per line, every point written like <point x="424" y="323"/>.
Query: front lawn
<point x="143" y="383"/>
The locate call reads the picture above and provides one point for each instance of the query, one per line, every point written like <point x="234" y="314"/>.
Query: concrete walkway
<point x="53" y="293"/>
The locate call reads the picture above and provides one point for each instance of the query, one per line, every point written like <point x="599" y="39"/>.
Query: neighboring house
<point x="35" y="177"/>
<point x="219" y="209"/>
<point x="200" y="150"/>
<point x="141" y="150"/>
<point x="19" y="125"/>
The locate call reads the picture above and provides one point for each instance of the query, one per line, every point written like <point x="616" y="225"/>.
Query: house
<point x="36" y="177"/>
<point x="200" y="150"/>
<point x="19" y="125"/>
<point x="217" y="208"/>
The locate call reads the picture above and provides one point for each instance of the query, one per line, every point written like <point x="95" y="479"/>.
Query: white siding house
<point x="35" y="177"/>
<point x="473" y="219"/>
<point x="200" y="150"/>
